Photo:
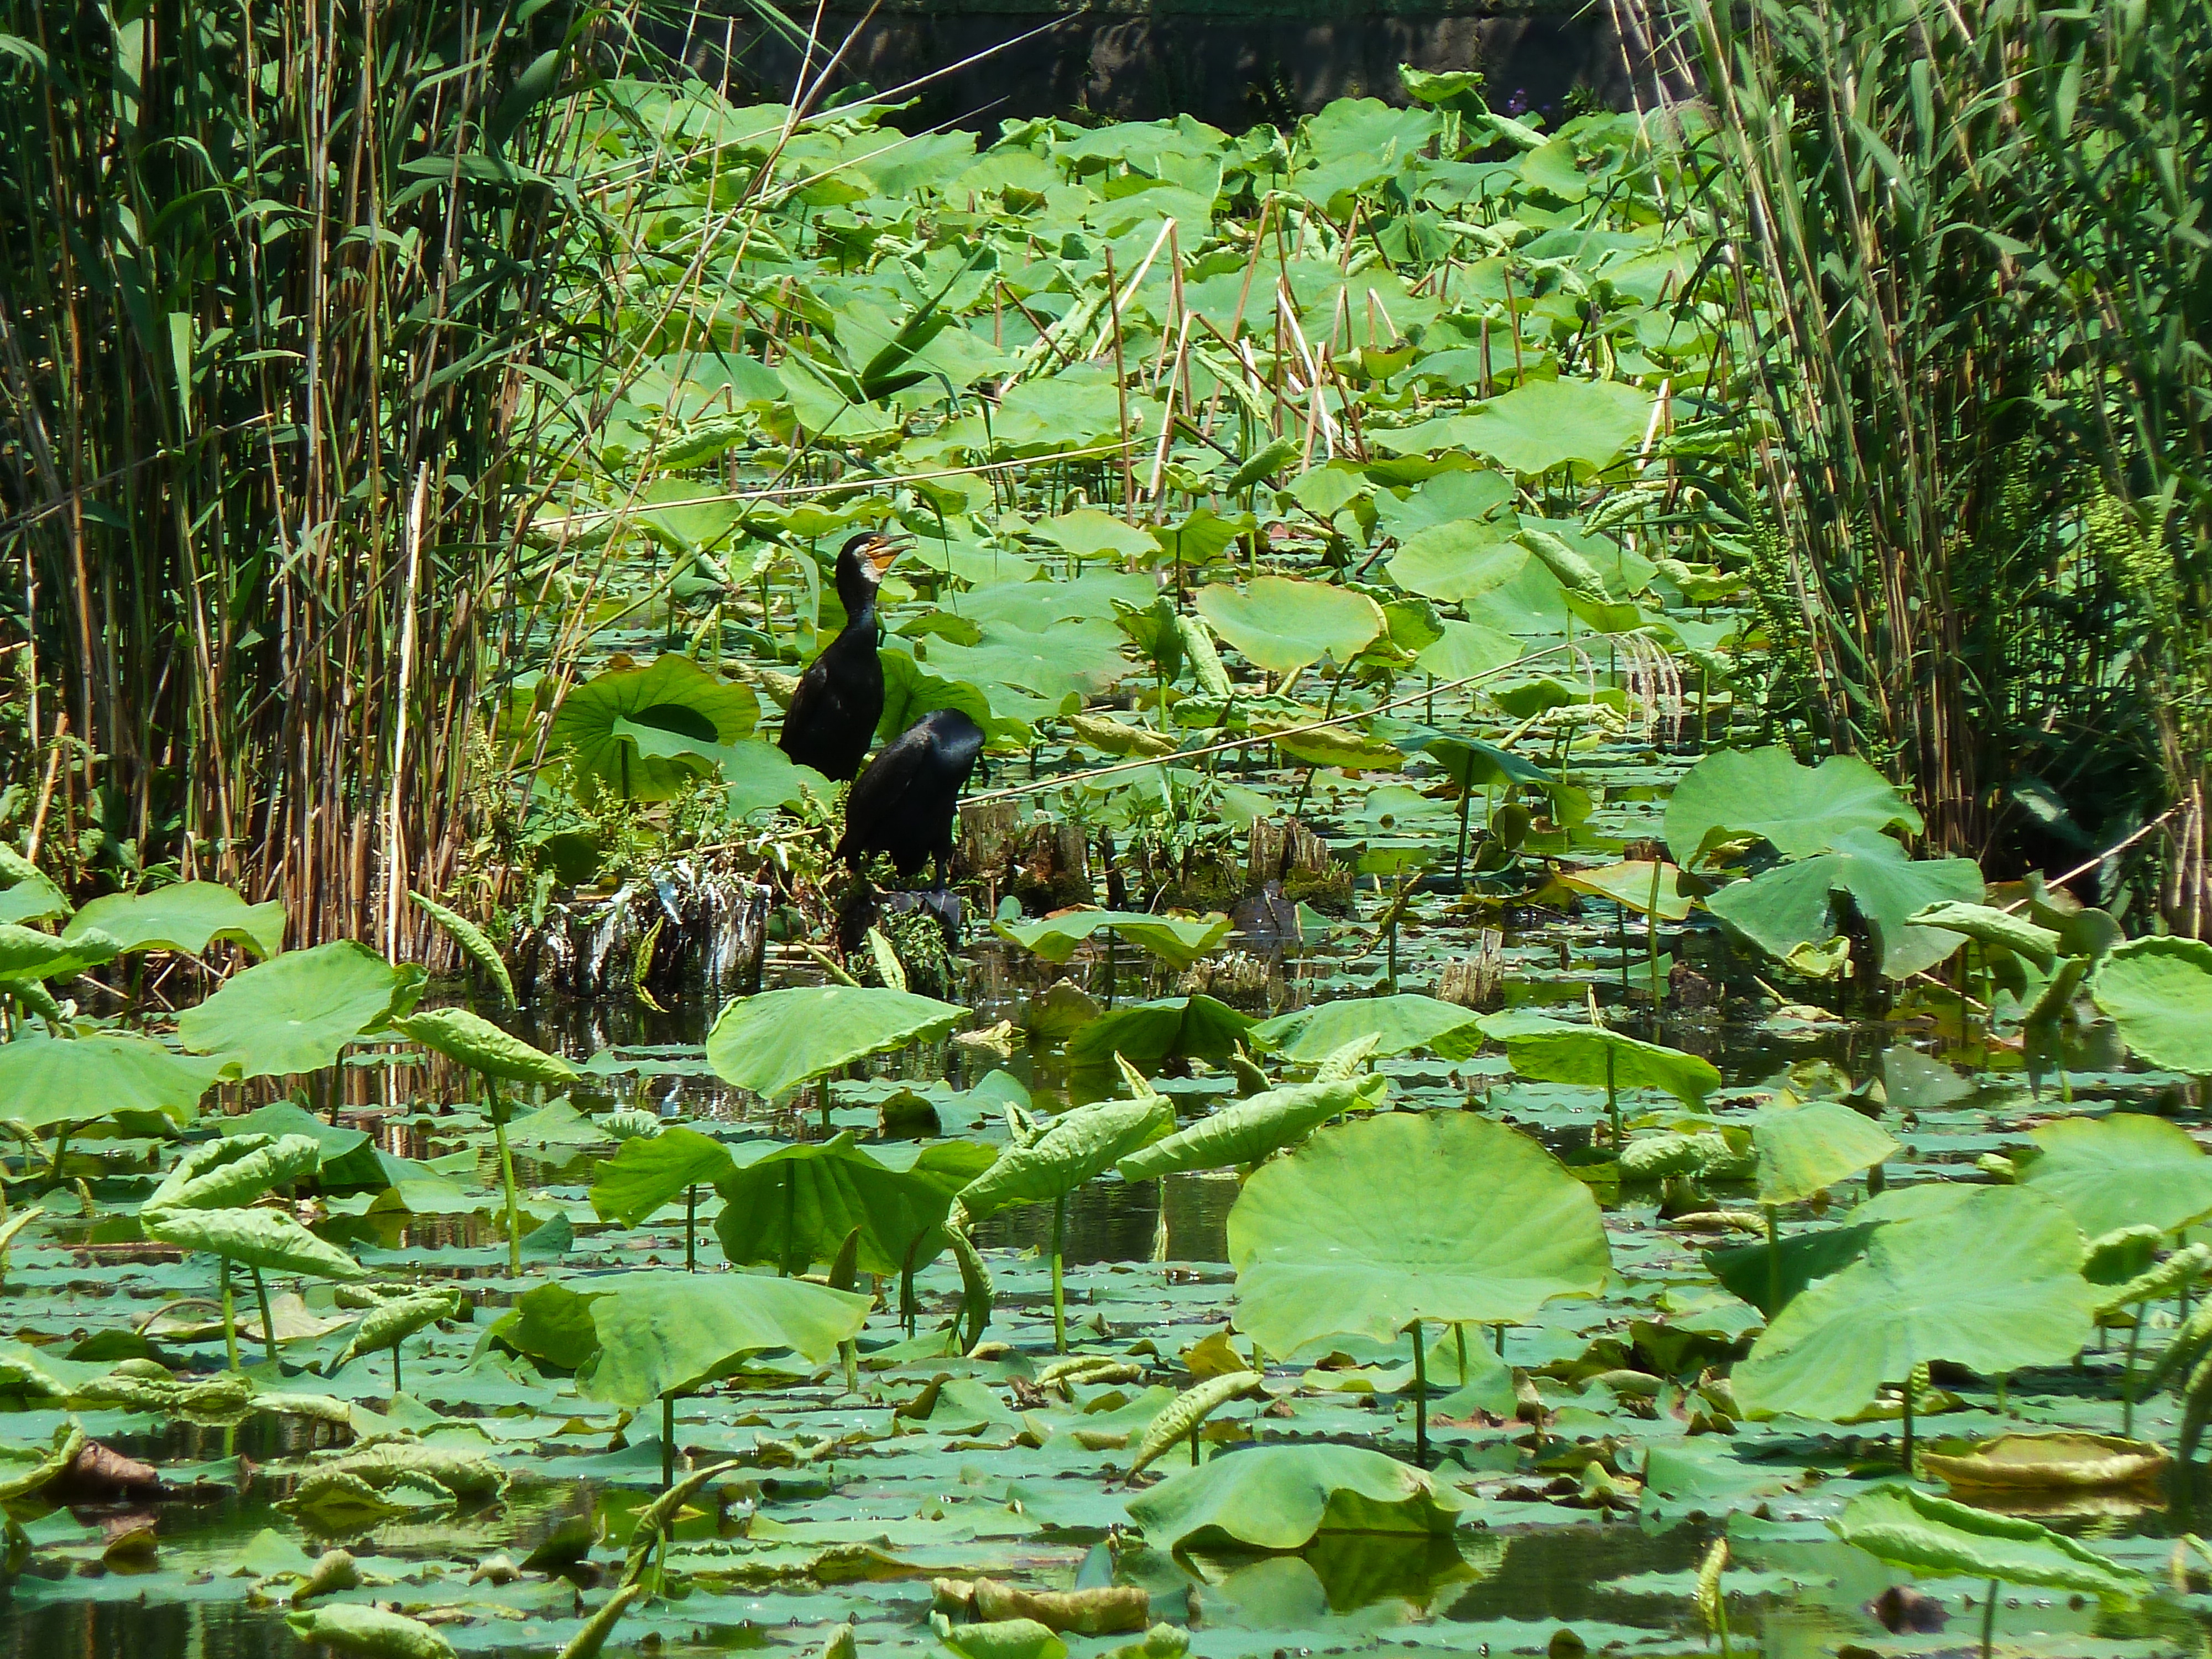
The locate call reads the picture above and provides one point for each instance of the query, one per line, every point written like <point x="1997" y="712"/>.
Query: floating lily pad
<point x="1282" y="1498"/>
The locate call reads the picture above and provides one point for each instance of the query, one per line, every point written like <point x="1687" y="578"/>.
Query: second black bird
<point x="904" y="803"/>
<point x="839" y="699"/>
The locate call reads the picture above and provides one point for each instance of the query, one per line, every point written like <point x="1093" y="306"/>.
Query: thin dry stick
<point x="1121" y="396"/>
<point x="395" y="875"/>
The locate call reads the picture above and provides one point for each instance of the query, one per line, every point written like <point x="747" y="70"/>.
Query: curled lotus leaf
<point x="1246" y="1131"/>
<point x="258" y="1237"/>
<point x="474" y="1042"/>
<point x="1078" y="1143"/>
<point x="1939" y="1538"/>
<point x="2066" y="1460"/>
<point x="225" y="1174"/>
<point x="27" y="954"/>
<point x="187" y="916"/>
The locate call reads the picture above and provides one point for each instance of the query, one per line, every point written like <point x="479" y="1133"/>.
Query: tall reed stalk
<point x="275" y="281"/>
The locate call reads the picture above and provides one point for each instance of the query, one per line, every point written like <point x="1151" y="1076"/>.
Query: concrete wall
<point x="1231" y="64"/>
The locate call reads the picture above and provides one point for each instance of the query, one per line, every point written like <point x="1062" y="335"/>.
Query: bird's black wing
<point x="881" y="794"/>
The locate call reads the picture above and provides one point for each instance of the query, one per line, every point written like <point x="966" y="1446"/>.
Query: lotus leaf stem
<point x="1906" y="1441"/>
<point x="667" y="1441"/>
<point x="1459" y="1335"/>
<point x="1651" y="941"/>
<point x="1990" y="1619"/>
<point x="1773" y="1264"/>
<point x="2128" y="1377"/>
<point x="498" y="1110"/>
<point x="1059" y="1296"/>
<point x="229" y="1317"/>
<point x="268" y="1325"/>
<point x="691" y="1228"/>
<point x="395" y="1371"/>
<point x="1420" y="1398"/>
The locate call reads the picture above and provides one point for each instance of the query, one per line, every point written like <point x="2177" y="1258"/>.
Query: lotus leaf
<point x="1282" y="624"/>
<point x="1467" y="649"/>
<point x="1558" y="1051"/>
<point x="1798" y="810"/>
<point x="666" y="1333"/>
<point x="2125" y="1170"/>
<point x="188" y="916"/>
<point x="1794" y="906"/>
<point x="1989" y="926"/>
<point x="1629" y="885"/>
<point x="597" y="724"/>
<point x="369" y="1631"/>
<point x="27" y="954"/>
<point x="2158" y="993"/>
<point x="1400" y="1024"/>
<point x="1993" y="1284"/>
<point x="797" y="1204"/>
<point x="649" y="1170"/>
<point x="1282" y="1498"/>
<point x="773" y="1042"/>
<point x="1541" y="424"/>
<point x="472" y="1041"/>
<point x="1176" y="940"/>
<point x="1457" y="561"/>
<point x="1939" y="1538"/>
<point x="1148" y="1033"/>
<point x="1376" y="1223"/>
<point x="44" y="1082"/>
<point x="1080" y="1142"/>
<point x="1246" y="1131"/>
<point x="296" y="1012"/>
<point x="2064" y="1460"/>
<point x="1803" y="1150"/>
<point x="233" y="1171"/>
<point x="252" y="1238"/>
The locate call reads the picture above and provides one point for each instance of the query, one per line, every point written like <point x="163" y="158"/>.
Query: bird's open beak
<point x="881" y="552"/>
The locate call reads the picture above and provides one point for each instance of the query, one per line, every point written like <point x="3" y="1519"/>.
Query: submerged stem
<point x="230" y="1318"/>
<point x="1420" y="1399"/>
<point x="268" y="1325"/>
<point x="505" y="1175"/>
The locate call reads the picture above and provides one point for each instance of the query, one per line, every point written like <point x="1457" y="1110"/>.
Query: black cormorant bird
<point x="833" y="713"/>
<point x="904" y="803"/>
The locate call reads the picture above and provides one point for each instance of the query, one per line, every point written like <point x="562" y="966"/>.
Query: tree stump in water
<point x="1285" y="851"/>
<point x="1476" y="980"/>
<point x="678" y="931"/>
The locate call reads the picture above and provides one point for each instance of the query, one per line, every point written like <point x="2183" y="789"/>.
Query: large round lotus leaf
<point x="1452" y="563"/>
<point x="268" y="1239"/>
<point x="666" y="1333"/>
<point x="1801" y="810"/>
<point x="2158" y="993"/>
<point x="1178" y="941"/>
<point x="1078" y="1143"/>
<point x="189" y="916"/>
<point x="71" y="1080"/>
<point x="1795" y="905"/>
<point x="650" y="1170"/>
<point x="1541" y="424"/>
<point x="1244" y="1132"/>
<point x="1993" y="1284"/>
<point x="1281" y="624"/>
<point x="773" y="1042"/>
<point x="1438" y="1215"/>
<point x="1281" y="1498"/>
<point x="27" y="954"/>
<point x="1803" y="1150"/>
<point x="1400" y="1024"/>
<point x="1559" y="1051"/>
<point x="480" y="1046"/>
<point x="2128" y="1170"/>
<point x="233" y="1171"/>
<point x="1936" y="1538"/>
<point x="296" y="1012"/>
<point x="797" y="1204"/>
<point x="675" y="695"/>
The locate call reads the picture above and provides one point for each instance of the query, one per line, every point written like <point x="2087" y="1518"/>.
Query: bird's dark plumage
<point x="904" y="804"/>
<point x="833" y="713"/>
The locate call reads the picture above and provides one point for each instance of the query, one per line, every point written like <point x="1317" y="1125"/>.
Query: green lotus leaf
<point x="596" y="721"/>
<point x="1989" y="926"/>
<point x="1460" y="560"/>
<point x="287" y="1117"/>
<point x="1176" y="940"/>
<point x="1803" y="1150"/>
<point x="1994" y="1284"/>
<point x="233" y="1171"/>
<point x="1798" y="810"/>
<point x="296" y="1012"/>
<point x="1145" y="1034"/>
<point x="370" y="1630"/>
<point x="1281" y="624"/>
<point x="1378" y="1222"/>
<point x="2127" y="1171"/>
<point x="1559" y="1051"/>
<point x="269" y="1239"/>
<point x="797" y="1204"/>
<point x="1246" y="1131"/>
<point x="475" y="944"/>
<point x="1541" y="424"/>
<point x="1400" y="1024"/>
<point x="650" y="1170"/>
<point x="1746" y="1270"/>
<point x="27" y="893"/>
<point x="667" y="1333"/>
<point x="474" y="1042"/>
<point x="1080" y="1142"/>
<point x="49" y="1080"/>
<point x="188" y="916"/>
<point x="27" y="954"/>
<point x="1630" y="885"/>
<point x="1794" y="906"/>
<point x="1473" y="764"/>
<point x="1467" y="649"/>
<point x="1937" y="1538"/>
<point x="773" y="1042"/>
<point x="2158" y="994"/>
<point x="1282" y="1498"/>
